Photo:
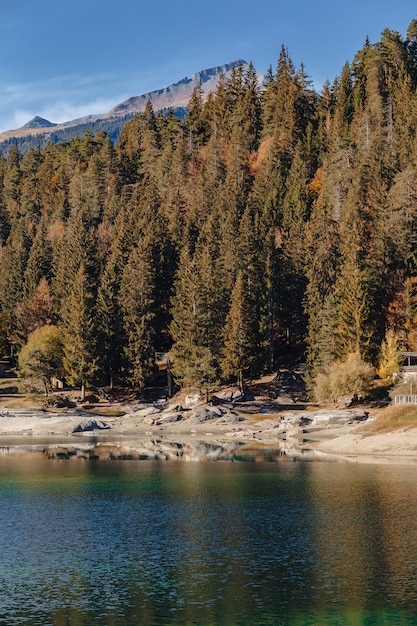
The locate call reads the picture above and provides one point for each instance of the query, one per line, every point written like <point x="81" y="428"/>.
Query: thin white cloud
<point x="59" y="99"/>
<point x="63" y="111"/>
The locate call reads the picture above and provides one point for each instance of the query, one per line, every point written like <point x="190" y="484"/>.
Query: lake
<point x="129" y="543"/>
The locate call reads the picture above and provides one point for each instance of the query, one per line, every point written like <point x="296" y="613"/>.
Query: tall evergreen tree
<point x="240" y="335"/>
<point x="79" y="333"/>
<point x="353" y="328"/>
<point x="194" y="364"/>
<point x="137" y="301"/>
<point x="112" y="339"/>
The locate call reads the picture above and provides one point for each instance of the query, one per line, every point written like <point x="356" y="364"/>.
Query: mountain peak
<point x="178" y="94"/>
<point x="38" y="122"/>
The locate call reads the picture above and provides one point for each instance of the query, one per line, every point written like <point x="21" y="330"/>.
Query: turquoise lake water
<point x="129" y="543"/>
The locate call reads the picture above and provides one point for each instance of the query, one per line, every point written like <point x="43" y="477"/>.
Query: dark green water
<point x="129" y="543"/>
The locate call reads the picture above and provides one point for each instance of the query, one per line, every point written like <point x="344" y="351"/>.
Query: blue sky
<point x="63" y="59"/>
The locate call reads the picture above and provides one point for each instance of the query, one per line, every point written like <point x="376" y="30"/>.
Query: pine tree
<point x="172" y="191"/>
<point x="194" y="363"/>
<point x="343" y="90"/>
<point x="196" y="120"/>
<point x="39" y="262"/>
<point x="137" y="301"/>
<point x="30" y="200"/>
<point x="79" y="333"/>
<point x="241" y="348"/>
<point x="322" y="267"/>
<point x="6" y="328"/>
<point x="11" y="180"/>
<point x="5" y="224"/>
<point x="213" y="280"/>
<point x="401" y="220"/>
<point x="353" y="328"/>
<point x="76" y="247"/>
<point x="112" y="339"/>
<point x="13" y="261"/>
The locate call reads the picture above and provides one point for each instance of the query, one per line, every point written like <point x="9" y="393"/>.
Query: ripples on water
<point x="151" y="543"/>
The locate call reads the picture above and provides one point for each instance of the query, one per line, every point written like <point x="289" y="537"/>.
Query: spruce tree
<point x="241" y="347"/>
<point x="79" y="333"/>
<point x="196" y="121"/>
<point x="13" y="262"/>
<point x="110" y="321"/>
<point x="194" y="364"/>
<point x="137" y="302"/>
<point x="353" y="328"/>
<point x="39" y="262"/>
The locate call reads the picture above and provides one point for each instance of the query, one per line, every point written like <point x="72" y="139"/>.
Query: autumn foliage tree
<point x="42" y="357"/>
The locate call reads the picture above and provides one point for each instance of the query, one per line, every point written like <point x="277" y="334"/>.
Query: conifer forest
<point x="268" y="226"/>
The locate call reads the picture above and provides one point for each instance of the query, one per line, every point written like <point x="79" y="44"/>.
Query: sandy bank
<point x="355" y="443"/>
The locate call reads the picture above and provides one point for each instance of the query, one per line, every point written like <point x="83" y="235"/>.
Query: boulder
<point x="323" y="417"/>
<point x="232" y="418"/>
<point x="295" y="418"/>
<point x="226" y="395"/>
<point x="338" y="416"/>
<point x="203" y="414"/>
<point x="192" y="399"/>
<point x="167" y="418"/>
<point x="175" y="408"/>
<point x="147" y="410"/>
<point x="90" y="425"/>
<point x="231" y="395"/>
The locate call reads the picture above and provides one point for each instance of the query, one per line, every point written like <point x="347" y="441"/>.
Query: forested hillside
<point x="266" y="224"/>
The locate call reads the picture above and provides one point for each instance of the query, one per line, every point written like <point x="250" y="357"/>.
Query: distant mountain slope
<point x="38" y="122"/>
<point x="178" y="94"/>
<point x="39" y="132"/>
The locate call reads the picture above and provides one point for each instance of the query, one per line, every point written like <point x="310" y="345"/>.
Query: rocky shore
<point x="225" y="430"/>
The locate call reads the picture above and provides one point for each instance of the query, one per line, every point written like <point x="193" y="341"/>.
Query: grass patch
<point x="392" y="418"/>
<point x="21" y="401"/>
<point x="411" y="417"/>
<point x="105" y="411"/>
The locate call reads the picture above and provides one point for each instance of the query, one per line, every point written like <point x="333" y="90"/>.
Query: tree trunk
<point x="241" y="382"/>
<point x="169" y="379"/>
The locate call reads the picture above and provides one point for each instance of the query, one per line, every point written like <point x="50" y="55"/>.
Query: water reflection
<point x="149" y="448"/>
<point x="149" y="542"/>
<point x="364" y="528"/>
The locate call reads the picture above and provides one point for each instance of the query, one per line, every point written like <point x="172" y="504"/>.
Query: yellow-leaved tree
<point x="41" y="357"/>
<point x="390" y="360"/>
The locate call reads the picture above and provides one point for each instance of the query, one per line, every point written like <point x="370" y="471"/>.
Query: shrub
<point x="58" y="401"/>
<point x="350" y="377"/>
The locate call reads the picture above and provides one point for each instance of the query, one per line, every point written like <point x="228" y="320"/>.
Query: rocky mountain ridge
<point x="39" y="132"/>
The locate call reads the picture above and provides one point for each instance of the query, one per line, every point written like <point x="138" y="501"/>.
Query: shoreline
<point x="163" y="430"/>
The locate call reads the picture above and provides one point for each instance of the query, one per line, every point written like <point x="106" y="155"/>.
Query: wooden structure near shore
<point x="409" y="373"/>
<point x="410" y="362"/>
